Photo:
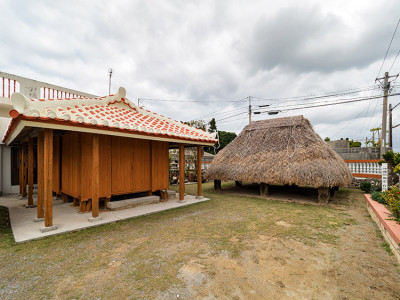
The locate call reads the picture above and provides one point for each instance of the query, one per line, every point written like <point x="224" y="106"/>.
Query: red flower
<point x="397" y="192"/>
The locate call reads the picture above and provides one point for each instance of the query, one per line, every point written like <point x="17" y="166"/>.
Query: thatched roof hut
<point x="280" y="151"/>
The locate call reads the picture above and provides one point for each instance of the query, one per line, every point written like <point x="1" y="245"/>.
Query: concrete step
<point x="171" y="194"/>
<point x="115" y="205"/>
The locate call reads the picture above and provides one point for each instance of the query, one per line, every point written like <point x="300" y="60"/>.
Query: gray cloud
<point x="206" y="50"/>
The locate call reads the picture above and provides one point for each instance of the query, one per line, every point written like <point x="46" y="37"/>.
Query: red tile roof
<point x="111" y="112"/>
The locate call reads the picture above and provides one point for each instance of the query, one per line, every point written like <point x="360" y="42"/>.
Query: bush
<point x="365" y="186"/>
<point x="392" y="198"/>
<point x="376" y="188"/>
<point x="377" y="196"/>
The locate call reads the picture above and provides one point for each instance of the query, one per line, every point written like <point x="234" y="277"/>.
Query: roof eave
<point x="15" y="129"/>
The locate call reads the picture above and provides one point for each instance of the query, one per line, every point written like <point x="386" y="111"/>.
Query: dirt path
<point x="232" y="247"/>
<point x="357" y="267"/>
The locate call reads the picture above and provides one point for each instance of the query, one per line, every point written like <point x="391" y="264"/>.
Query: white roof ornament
<point x="19" y="102"/>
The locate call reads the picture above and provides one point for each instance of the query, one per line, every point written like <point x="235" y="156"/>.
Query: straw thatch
<point x="280" y="151"/>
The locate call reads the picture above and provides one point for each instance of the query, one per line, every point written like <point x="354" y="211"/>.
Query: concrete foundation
<point x="132" y="202"/>
<point x="47" y="229"/>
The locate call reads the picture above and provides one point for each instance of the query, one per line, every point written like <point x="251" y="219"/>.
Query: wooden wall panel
<point x="105" y="166"/>
<point x="160" y="165"/>
<point x="56" y="164"/>
<point x="121" y="165"/>
<point x="126" y="165"/>
<point x="86" y="166"/>
<point x="141" y="165"/>
<point x="70" y="164"/>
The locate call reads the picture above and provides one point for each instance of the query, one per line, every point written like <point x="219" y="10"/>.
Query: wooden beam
<point x="25" y="169"/>
<point x="95" y="176"/>
<point x="48" y="177"/>
<point x="181" y="172"/>
<point x="20" y="169"/>
<point x="40" y="174"/>
<point x="199" y="179"/>
<point x="30" y="172"/>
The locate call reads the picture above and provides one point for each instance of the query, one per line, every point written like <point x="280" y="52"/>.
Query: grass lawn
<point x="229" y="247"/>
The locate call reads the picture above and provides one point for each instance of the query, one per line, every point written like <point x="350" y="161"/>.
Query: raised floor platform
<point x="66" y="217"/>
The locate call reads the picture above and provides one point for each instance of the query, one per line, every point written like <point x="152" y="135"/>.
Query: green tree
<point x="327" y="139"/>
<point x="225" y="138"/>
<point x="212" y="126"/>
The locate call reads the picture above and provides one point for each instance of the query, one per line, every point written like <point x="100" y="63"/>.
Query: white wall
<point x="6" y="172"/>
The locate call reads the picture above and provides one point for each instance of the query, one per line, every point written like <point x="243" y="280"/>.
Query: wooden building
<point x="91" y="149"/>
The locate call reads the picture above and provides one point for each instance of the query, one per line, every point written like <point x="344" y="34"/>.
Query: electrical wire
<point x="394" y="33"/>
<point x="336" y="103"/>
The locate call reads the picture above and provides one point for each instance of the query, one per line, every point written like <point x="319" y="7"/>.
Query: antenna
<point x="110" y="71"/>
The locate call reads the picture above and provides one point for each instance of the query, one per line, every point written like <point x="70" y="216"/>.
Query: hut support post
<point x="217" y="185"/>
<point x="48" y="180"/>
<point x="40" y="174"/>
<point x="181" y="172"/>
<point x="95" y="179"/>
<point x="323" y="195"/>
<point x="25" y="170"/>
<point x="30" y="173"/>
<point x="264" y="189"/>
<point x="199" y="179"/>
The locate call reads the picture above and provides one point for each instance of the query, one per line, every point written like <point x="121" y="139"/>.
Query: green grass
<point x="141" y="257"/>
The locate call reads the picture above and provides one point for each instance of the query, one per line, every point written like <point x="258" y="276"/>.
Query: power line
<point x="394" y="60"/>
<point x="327" y="95"/>
<point x="335" y="103"/>
<point x="394" y="33"/>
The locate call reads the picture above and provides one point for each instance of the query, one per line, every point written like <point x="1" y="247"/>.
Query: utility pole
<point x="386" y="87"/>
<point x="249" y="109"/>
<point x="110" y="71"/>
<point x="390" y="126"/>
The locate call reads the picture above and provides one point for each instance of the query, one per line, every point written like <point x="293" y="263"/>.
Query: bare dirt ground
<point x="232" y="247"/>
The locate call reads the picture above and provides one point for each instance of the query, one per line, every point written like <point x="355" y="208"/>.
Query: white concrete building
<point x="9" y="84"/>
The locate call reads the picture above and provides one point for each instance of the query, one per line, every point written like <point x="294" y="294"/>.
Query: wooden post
<point x="199" y="179"/>
<point x="40" y="174"/>
<point x="217" y="184"/>
<point x="323" y="195"/>
<point x="264" y="189"/>
<point x="181" y="172"/>
<point x="95" y="176"/>
<point x="24" y="170"/>
<point x="30" y="172"/>
<point x="48" y="177"/>
<point x="20" y="169"/>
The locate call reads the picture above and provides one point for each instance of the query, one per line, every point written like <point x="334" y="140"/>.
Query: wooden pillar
<point x="95" y="176"/>
<point x="323" y="195"/>
<point x="199" y="179"/>
<point x="48" y="177"/>
<point x="40" y="175"/>
<point x="25" y="170"/>
<point x="217" y="185"/>
<point x="264" y="189"/>
<point x="30" y="172"/>
<point x="20" y="169"/>
<point x="181" y="172"/>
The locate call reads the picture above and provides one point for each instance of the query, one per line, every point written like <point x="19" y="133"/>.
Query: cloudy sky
<point x="201" y="59"/>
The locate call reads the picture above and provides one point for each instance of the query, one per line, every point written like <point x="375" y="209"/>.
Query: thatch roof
<point x="280" y="151"/>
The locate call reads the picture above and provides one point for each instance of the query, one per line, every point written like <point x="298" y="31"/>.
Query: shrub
<point x="365" y="186"/>
<point x="377" y="196"/>
<point x="376" y="188"/>
<point x="392" y="198"/>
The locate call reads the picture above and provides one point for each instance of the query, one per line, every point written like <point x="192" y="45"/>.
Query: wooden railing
<point x="368" y="168"/>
